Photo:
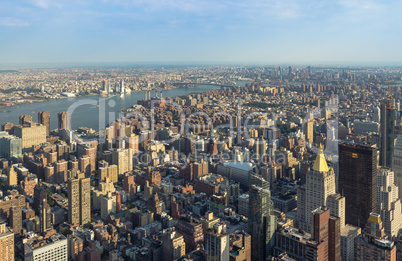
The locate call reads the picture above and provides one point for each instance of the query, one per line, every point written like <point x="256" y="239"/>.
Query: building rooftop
<point x="349" y="230"/>
<point x="320" y="163"/>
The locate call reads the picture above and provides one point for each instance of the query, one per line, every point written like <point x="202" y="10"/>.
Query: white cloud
<point x="47" y="3"/>
<point x="181" y="5"/>
<point x="360" y="4"/>
<point x="9" y="21"/>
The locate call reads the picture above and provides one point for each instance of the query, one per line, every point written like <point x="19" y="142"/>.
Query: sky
<point x="204" y="31"/>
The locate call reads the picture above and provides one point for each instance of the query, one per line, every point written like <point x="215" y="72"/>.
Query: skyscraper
<point x="389" y="204"/>
<point x="326" y="238"/>
<point x="308" y="130"/>
<point x="397" y="163"/>
<point x="217" y="243"/>
<point x="44" y="119"/>
<point x="64" y="121"/>
<point x="6" y="243"/>
<point x="79" y="201"/>
<point x="376" y="114"/>
<point x="173" y="245"/>
<point x="16" y="219"/>
<point x="261" y="222"/>
<point x="319" y="190"/>
<point x="358" y="181"/>
<point x="387" y="131"/>
<point x="372" y="244"/>
<point x="73" y="201"/>
<point x="85" y="201"/>
<point x="45" y="216"/>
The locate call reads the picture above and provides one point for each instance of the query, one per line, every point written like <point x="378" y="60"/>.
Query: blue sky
<point x="252" y="31"/>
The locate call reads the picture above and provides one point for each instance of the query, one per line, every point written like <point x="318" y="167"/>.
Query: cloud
<point x="9" y="21"/>
<point x="193" y="6"/>
<point x="45" y="4"/>
<point x="361" y="4"/>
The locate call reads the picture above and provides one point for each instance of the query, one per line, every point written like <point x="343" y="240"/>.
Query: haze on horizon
<point x="254" y="31"/>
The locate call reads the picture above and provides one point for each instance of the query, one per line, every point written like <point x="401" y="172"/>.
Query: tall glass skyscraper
<point x="387" y="131"/>
<point x="261" y="222"/>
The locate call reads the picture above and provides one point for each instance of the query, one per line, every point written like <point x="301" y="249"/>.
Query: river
<point x="88" y="115"/>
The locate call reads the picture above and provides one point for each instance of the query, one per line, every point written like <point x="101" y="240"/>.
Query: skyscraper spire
<point x="320" y="164"/>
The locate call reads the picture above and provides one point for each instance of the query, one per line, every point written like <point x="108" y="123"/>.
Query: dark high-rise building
<point x="16" y="219"/>
<point x="45" y="216"/>
<point x="39" y="196"/>
<point x="64" y="121"/>
<point x="358" y="181"/>
<point x="387" y="131"/>
<point x="44" y="119"/>
<point x="261" y="222"/>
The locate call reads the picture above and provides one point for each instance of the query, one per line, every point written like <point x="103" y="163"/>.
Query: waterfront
<point x="88" y="115"/>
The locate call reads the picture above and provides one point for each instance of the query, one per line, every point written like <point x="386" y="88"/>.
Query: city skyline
<point x="268" y="32"/>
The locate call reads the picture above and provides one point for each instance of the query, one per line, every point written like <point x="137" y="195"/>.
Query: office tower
<point x="191" y="229"/>
<point x="53" y="248"/>
<point x="326" y="239"/>
<point x="31" y="134"/>
<point x="397" y="163"/>
<point x="45" y="216"/>
<point x="79" y="201"/>
<point x="377" y="114"/>
<point x="44" y="119"/>
<point x="217" y="243"/>
<point x="373" y="244"/>
<point x="173" y="245"/>
<point x="39" y="196"/>
<point x="63" y="121"/>
<point x="336" y="204"/>
<point x="387" y="131"/>
<point x="319" y="190"/>
<point x="389" y="204"/>
<point x="260" y="148"/>
<point x="25" y="118"/>
<point x="10" y="146"/>
<point x="16" y="219"/>
<point x="6" y="243"/>
<point x="348" y="235"/>
<point x="261" y="222"/>
<point x="358" y="181"/>
<point x="12" y="179"/>
<point x="85" y="201"/>
<point x="308" y="131"/>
